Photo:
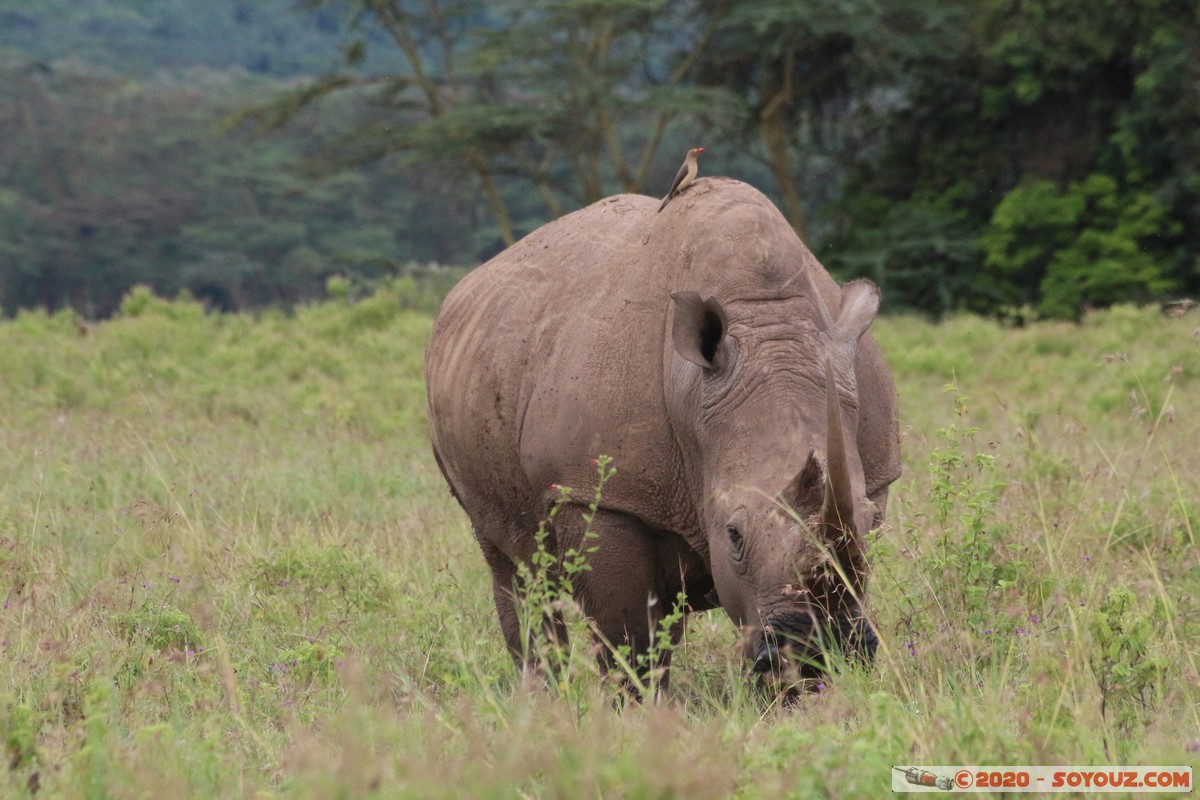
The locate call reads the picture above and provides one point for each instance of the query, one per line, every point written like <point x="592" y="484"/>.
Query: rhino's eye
<point x="736" y="541"/>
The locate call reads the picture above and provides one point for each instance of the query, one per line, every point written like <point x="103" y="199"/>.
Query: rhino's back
<point x="548" y="356"/>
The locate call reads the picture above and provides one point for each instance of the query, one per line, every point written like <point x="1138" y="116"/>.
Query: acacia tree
<point x="602" y="80"/>
<point x="570" y="96"/>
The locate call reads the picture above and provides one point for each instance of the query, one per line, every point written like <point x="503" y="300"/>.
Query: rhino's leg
<point x="504" y="575"/>
<point x="506" y="593"/>
<point x="624" y="592"/>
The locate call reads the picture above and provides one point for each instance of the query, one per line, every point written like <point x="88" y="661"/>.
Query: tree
<point x="107" y="182"/>
<point x="806" y="73"/>
<point x="1091" y="98"/>
<point x="553" y="93"/>
<point x="1088" y="244"/>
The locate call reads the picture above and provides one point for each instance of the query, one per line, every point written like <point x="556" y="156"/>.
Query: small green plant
<point x="1127" y="669"/>
<point x="548" y="582"/>
<point x="548" y="586"/>
<point x="92" y="762"/>
<point x="335" y="573"/>
<point x="159" y="626"/>
<point x="20" y="738"/>
<point x="645" y="672"/>
<point x="307" y="663"/>
<point x="969" y="557"/>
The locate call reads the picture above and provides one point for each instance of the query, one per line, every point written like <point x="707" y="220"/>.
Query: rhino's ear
<point x="698" y="328"/>
<point x="860" y="303"/>
<point x="806" y="492"/>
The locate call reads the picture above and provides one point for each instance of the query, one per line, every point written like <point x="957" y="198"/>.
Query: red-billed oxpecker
<point x="685" y="176"/>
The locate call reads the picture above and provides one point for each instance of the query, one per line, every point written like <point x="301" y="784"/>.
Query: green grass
<point x="229" y="568"/>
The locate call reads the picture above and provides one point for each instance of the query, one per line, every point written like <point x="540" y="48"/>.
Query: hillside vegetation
<point x="230" y="568"/>
<point x="138" y="38"/>
<point x="1009" y="157"/>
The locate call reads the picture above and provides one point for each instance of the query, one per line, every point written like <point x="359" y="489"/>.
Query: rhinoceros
<point x="750" y="417"/>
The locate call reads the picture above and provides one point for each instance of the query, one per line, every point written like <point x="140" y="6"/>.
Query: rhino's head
<point x="763" y="398"/>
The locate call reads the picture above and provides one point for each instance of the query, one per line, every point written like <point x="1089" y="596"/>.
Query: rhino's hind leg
<point x="624" y="592"/>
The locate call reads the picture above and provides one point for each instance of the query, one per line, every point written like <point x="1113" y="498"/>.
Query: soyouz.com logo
<point x="1041" y="779"/>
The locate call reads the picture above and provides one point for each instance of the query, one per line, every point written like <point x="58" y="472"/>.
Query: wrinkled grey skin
<point x="708" y="352"/>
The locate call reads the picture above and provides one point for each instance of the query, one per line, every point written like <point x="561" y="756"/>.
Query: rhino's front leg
<point x="523" y="641"/>
<point x="623" y="591"/>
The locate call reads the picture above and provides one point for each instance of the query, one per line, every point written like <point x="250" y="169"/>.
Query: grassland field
<point x="229" y="568"/>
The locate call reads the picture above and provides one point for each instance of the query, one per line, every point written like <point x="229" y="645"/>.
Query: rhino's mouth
<point x="794" y="648"/>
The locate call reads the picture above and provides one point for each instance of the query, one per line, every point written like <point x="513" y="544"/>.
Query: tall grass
<point x="230" y="568"/>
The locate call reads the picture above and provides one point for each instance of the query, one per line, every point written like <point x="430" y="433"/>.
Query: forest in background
<point x="1009" y="157"/>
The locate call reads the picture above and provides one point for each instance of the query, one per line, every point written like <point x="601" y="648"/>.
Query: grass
<point x="229" y="568"/>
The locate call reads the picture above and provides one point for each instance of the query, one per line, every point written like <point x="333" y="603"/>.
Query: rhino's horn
<point x="837" y="509"/>
<point x="839" y="512"/>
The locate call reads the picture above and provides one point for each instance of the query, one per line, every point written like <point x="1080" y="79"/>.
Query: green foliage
<point x="305" y="664"/>
<point x="970" y="550"/>
<point x="337" y="287"/>
<point x="137" y="38"/>
<point x="1086" y="245"/>
<point x="546" y="591"/>
<point x="648" y="671"/>
<point x="992" y="156"/>
<point x="159" y="626"/>
<point x="328" y="574"/>
<point x="922" y="255"/>
<point x="800" y="75"/>
<point x="1127" y="665"/>
<point x="528" y="108"/>
<point x="1058" y="138"/>
<point x="141" y="300"/>
<point x="157" y="196"/>
<point x="17" y="719"/>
